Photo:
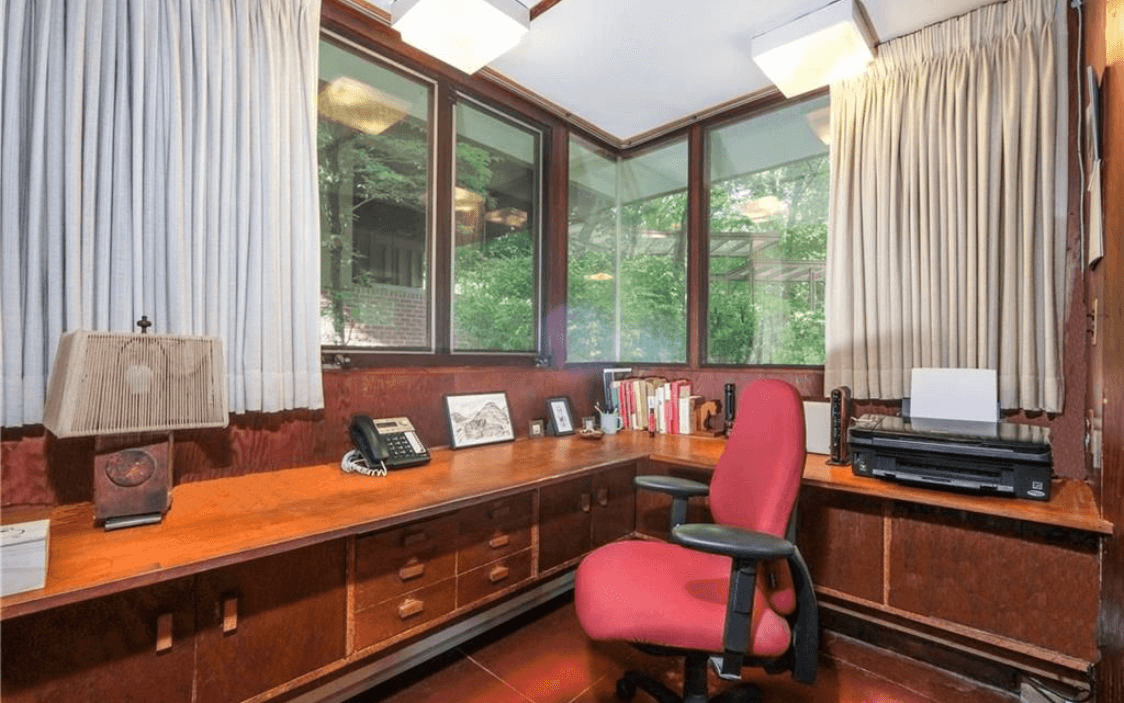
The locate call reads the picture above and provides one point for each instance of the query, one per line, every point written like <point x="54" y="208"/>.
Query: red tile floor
<point x="545" y="657"/>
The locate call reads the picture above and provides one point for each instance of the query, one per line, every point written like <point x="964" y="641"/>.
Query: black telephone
<point x="389" y="443"/>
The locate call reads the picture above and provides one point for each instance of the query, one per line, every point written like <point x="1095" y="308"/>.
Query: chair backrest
<point x="757" y="478"/>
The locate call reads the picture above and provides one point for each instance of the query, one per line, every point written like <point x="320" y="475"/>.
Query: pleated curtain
<point x="158" y="157"/>
<point x="946" y="242"/>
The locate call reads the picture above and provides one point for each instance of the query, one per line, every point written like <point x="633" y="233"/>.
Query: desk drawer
<point x="395" y="616"/>
<point x="494" y="530"/>
<point x="390" y="563"/>
<point x="483" y="581"/>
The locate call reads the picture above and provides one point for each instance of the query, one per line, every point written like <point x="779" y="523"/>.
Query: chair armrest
<point x="732" y="542"/>
<point x="680" y="490"/>
<point x="671" y="485"/>
<point x="746" y="548"/>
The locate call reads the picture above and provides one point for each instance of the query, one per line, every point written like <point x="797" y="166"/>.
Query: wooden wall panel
<point x="1030" y="583"/>
<point x="841" y="539"/>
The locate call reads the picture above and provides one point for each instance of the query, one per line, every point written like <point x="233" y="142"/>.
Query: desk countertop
<point x="231" y="520"/>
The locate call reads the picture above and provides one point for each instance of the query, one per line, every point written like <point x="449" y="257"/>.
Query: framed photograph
<point x="560" y="415"/>
<point x="478" y="418"/>
<point x="538" y="429"/>
<point x="589" y="423"/>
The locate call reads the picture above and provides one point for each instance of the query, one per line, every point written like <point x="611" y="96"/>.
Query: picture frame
<point x="537" y="429"/>
<point x="589" y="423"/>
<point x="478" y="418"/>
<point x="560" y="415"/>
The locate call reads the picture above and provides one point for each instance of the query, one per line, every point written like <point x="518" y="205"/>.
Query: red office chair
<point x="731" y="592"/>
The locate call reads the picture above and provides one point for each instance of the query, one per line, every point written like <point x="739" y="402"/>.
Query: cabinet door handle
<point x="498" y="573"/>
<point x="586" y="502"/>
<point x="229" y="614"/>
<point x="414" y="538"/>
<point x="163" y="632"/>
<point x="412" y="570"/>
<point x="499" y="539"/>
<point x="410" y="607"/>
<point x="603" y="496"/>
<point x="501" y="512"/>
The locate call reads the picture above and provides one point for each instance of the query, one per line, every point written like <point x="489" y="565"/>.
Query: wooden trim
<point x="542" y="7"/>
<point x="443" y="214"/>
<point x="556" y="254"/>
<point x="698" y="239"/>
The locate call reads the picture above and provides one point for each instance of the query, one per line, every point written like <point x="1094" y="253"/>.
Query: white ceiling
<point x="629" y="67"/>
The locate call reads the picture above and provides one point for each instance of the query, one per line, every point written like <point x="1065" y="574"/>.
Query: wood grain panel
<point x="494" y="529"/>
<point x="614" y="504"/>
<point x="565" y="515"/>
<point x="489" y="579"/>
<point x="393" y="562"/>
<point x="653" y="509"/>
<point x="1036" y="585"/>
<point x="397" y="615"/>
<point x="290" y="619"/>
<point x="841" y="539"/>
<point x="102" y="650"/>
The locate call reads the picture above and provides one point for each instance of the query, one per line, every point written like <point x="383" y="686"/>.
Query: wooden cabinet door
<point x="614" y="504"/>
<point x="131" y="646"/>
<point x="653" y="509"/>
<point x="270" y="620"/>
<point x="565" y="513"/>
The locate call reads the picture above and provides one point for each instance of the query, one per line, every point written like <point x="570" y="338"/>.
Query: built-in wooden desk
<point x="882" y="552"/>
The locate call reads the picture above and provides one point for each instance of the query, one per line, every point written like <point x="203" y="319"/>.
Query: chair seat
<point x="666" y="595"/>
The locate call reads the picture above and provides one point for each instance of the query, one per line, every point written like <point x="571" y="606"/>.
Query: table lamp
<point x="130" y="392"/>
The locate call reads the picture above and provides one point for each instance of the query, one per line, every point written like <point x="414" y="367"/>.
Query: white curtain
<point x="945" y="248"/>
<point x="158" y="157"/>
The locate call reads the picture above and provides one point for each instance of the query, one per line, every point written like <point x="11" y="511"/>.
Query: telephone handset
<point x="389" y="443"/>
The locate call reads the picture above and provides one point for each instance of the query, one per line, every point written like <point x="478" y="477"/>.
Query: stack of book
<point x="656" y="404"/>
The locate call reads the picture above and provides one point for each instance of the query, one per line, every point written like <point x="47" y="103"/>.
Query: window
<point x="496" y="233"/>
<point x="627" y="298"/>
<point x="374" y="147"/>
<point x="768" y="237"/>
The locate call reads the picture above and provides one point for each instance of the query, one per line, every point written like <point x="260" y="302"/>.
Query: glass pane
<point x="768" y="237"/>
<point x="628" y="256"/>
<point x="373" y="142"/>
<point x="496" y="234"/>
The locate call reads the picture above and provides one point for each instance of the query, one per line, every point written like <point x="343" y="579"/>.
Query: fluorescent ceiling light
<point x="360" y="106"/>
<point x="466" y="34"/>
<point x="816" y="49"/>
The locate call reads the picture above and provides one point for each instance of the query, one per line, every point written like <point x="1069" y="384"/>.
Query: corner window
<point x="496" y="233"/>
<point x="375" y="155"/>
<point x="627" y="295"/>
<point x="768" y="237"/>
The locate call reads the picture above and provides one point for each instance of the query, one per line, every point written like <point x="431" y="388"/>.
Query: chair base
<point x="694" y="686"/>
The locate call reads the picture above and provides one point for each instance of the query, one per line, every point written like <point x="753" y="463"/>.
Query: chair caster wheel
<point x="626" y="690"/>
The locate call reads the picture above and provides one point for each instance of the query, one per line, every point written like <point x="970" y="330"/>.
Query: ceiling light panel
<point x="466" y="34"/>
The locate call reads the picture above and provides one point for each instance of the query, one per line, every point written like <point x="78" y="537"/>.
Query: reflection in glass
<point x="768" y="237"/>
<point x="373" y="143"/>
<point x="627" y="298"/>
<point x="496" y="233"/>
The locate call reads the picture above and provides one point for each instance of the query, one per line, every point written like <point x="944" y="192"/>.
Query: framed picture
<point x="538" y="429"/>
<point x="478" y="418"/>
<point x="560" y="415"/>
<point x="589" y="423"/>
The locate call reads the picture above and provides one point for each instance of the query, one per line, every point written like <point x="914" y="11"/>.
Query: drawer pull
<point x="498" y="573"/>
<point x="499" y="540"/>
<point x="410" y="607"/>
<point x="229" y="614"/>
<point x="414" y="538"/>
<point x="501" y="512"/>
<point x="412" y="570"/>
<point x="603" y="497"/>
<point x="164" y="632"/>
<point x="586" y="502"/>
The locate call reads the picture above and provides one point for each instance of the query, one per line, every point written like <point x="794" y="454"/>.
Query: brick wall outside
<point x="380" y="315"/>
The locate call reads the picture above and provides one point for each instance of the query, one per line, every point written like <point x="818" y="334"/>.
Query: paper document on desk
<point x="970" y="395"/>
<point x="23" y="556"/>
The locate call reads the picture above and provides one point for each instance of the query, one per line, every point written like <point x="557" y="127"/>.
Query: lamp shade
<point x="816" y="49"/>
<point x="118" y="383"/>
<point x="466" y="34"/>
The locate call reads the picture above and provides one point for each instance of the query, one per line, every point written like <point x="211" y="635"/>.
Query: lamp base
<point x="132" y="479"/>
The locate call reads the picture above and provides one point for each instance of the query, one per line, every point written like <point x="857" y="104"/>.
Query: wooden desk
<point x="233" y="535"/>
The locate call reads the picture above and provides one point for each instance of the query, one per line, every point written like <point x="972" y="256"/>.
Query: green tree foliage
<point x="494" y="296"/>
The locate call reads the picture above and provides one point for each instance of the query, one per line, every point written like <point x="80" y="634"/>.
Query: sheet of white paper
<point x="955" y="394"/>
<point x="817" y="427"/>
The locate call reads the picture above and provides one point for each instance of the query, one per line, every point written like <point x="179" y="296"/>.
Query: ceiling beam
<point x="542" y="7"/>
